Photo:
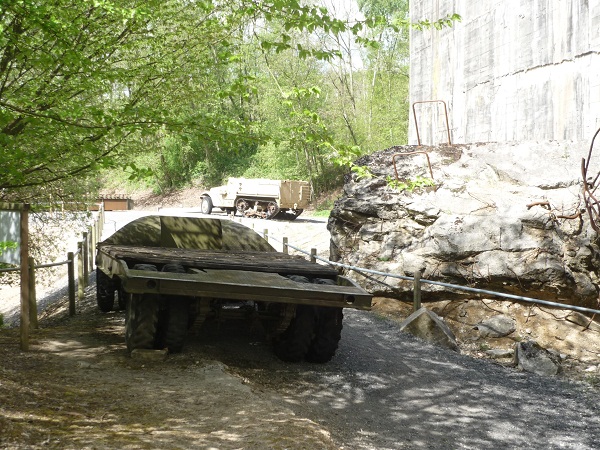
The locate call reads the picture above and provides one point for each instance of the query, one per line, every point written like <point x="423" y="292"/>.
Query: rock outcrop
<point x="496" y="326"/>
<point x="531" y="357"/>
<point x="501" y="217"/>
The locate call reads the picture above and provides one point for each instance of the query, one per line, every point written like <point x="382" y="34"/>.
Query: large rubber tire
<point x="141" y="321"/>
<point x="293" y="344"/>
<point x="141" y="317"/>
<point x="174" y="320"/>
<point x="121" y="298"/>
<point x="328" y="330"/>
<point x="177" y="325"/>
<point x="206" y="205"/>
<point x="149" y="267"/>
<point x="105" y="291"/>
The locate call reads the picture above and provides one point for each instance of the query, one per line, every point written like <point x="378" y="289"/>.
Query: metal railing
<point x="445" y="114"/>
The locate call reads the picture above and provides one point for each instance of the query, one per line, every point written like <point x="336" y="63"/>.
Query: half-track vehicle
<point x="258" y="197"/>
<point x="171" y="274"/>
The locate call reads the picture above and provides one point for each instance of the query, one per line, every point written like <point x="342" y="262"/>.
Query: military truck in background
<point x="171" y="274"/>
<point x="258" y="197"/>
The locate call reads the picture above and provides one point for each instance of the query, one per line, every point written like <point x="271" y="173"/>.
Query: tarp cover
<point x="189" y="232"/>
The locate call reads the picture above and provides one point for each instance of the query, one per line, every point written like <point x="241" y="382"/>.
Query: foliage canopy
<point x="186" y="88"/>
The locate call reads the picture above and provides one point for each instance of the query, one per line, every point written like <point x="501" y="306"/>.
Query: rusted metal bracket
<point x="445" y="113"/>
<point x="411" y="153"/>
<point x="592" y="205"/>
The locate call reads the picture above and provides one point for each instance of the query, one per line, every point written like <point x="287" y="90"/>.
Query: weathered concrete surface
<point x="509" y="71"/>
<point x="428" y="326"/>
<point x="506" y="218"/>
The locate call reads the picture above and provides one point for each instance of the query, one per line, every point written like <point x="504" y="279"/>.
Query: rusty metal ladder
<point x="445" y="113"/>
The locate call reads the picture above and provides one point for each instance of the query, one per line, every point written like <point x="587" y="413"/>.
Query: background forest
<point x="96" y="94"/>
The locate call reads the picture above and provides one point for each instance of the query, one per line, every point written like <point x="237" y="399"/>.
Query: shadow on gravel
<point x="386" y="389"/>
<point x="78" y="388"/>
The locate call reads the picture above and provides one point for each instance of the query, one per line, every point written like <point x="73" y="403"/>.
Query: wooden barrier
<point x="80" y="272"/>
<point x="33" y="318"/>
<point x="71" y="276"/>
<point x="113" y="204"/>
<point x="85" y="259"/>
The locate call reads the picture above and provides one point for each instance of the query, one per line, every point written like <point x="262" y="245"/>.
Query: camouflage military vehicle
<point x="258" y="197"/>
<point x="171" y="274"/>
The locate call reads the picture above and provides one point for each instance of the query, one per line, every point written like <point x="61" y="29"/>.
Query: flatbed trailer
<point x="238" y="275"/>
<point x="179" y="272"/>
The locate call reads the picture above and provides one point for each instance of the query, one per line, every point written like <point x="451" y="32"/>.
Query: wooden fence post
<point x="417" y="291"/>
<point x="91" y="254"/>
<point x="285" y="245"/>
<point x="24" y="257"/>
<point x="33" y="318"/>
<point x="101" y="222"/>
<point x="85" y="258"/>
<point x="266" y="234"/>
<point x="80" y="271"/>
<point x="71" y="276"/>
<point x="313" y="254"/>
<point x="93" y="240"/>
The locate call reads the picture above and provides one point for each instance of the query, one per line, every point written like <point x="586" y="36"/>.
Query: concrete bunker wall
<point x="515" y="70"/>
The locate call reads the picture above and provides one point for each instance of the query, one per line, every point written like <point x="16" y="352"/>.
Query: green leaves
<point x="362" y="172"/>
<point x="7" y="245"/>
<point x="447" y="21"/>
<point x="409" y="185"/>
<point x="136" y="173"/>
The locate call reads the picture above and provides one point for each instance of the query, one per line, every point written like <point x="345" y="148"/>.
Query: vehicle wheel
<point x="178" y="312"/>
<point x="272" y="210"/>
<point x="150" y="267"/>
<point x="173" y="326"/>
<point x="206" y="206"/>
<point x="173" y="268"/>
<point x="141" y="317"/>
<point x="293" y="344"/>
<point x="105" y="291"/>
<point x="328" y="331"/>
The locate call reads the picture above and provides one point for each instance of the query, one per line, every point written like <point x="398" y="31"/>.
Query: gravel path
<point x="387" y="390"/>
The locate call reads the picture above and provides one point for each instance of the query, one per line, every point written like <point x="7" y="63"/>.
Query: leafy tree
<point x="91" y="84"/>
<point x="86" y="84"/>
